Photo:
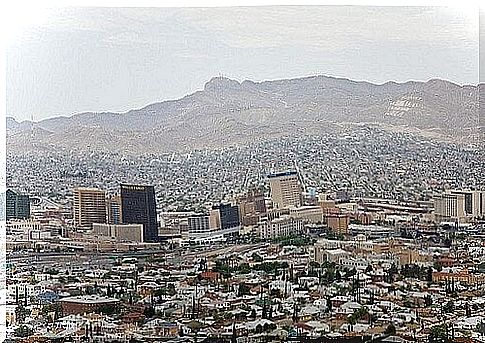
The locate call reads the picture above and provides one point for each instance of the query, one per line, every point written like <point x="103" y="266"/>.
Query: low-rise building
<point x="87" y="304"/>
<point x="120" y="232"/>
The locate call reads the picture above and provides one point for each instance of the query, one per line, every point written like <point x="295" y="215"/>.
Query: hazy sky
<point x="117" y="59"/>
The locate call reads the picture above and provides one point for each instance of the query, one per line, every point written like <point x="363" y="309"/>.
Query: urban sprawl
<point x="364" y="237"/>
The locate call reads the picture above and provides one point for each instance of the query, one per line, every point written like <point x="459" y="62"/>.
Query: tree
<point x="392" y="271"/>
<point x="428" y="301"/>
<point x="23" y="331"/>
<point x="276" y="293"/>
<point x="21" y="313"/>
<point x="149" y="311"/>
<point x="481" y="327"/>
<point x="243" y="289"/>
<point x="350" y="273"/>
<point x="429" y="274"/>
<point x="438" y="334"/>
<point x="390" y="330"/>
<point x="449" y="307"/>
<point x="107" y="309"/>
<point x="257" y="258"/>
<point x="329" y="305"/>
<point x="194" y="326"/>
<point x="447" y="242"/>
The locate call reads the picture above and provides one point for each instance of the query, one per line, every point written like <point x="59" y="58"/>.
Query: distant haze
<point x="117" y="59"/>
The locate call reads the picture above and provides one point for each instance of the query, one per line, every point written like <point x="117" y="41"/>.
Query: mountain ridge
<point x="10" y="117"/>
<point x="226" y="110"/>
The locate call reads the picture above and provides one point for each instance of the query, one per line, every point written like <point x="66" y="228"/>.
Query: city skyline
<point x="166" y="53"/>
<point x="318" y="178"/>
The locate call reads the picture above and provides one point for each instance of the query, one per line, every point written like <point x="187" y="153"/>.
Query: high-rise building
<point x="113" y="206"/>
<point x="286" y="190"/>
<point x="138" y="206"/>
<point x="460" y="205"/>
<point x="224" y="220"/>
<point x="449" y="207"/>
<point x="229" y="216"/>
<point x="252" y="207"/>
<point x="338" y="223"/>
<point x="474" y="202"/>
<point x="89" y="206"/>
<point x="17" y="205"/>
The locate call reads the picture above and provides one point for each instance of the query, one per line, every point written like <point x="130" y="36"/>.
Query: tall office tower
<point x="252" y="207"/>
<point x="138" y="206"/>
<point x="113" y="206"/>
<point x="17" y="205"/>
<point x="89" y="206"/>
<point x="224" y="216"/>
<point x="229" y="216"/>
<point x="449" y="207"/>
<point x="285" y="189"/>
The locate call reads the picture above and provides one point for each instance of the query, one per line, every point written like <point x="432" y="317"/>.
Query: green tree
<point x="390" y="330"/>
<point x="23" y="331"/>
<point x="243" y="289"/>
<point x="449" y="307"/>
<point x="429" y="274"/>
<point x="257" y="258"/>
<point x="149" y="311"/>
<point x="438" y="333"/>
<point x="428" y="301"/>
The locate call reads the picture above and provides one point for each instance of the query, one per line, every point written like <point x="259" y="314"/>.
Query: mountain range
<point x="230" y="112"/>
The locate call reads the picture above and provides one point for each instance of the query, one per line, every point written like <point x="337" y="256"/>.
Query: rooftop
<point x="89" y="299"/>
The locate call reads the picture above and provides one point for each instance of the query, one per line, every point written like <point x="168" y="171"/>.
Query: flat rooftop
<point x="283" y="173"/>
<point x="89" y="299"/>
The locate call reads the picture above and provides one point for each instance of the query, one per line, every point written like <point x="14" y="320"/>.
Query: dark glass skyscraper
<point x="138" y="206"/>
<point x="229" y="215"/>
<point x="17" y="205"/>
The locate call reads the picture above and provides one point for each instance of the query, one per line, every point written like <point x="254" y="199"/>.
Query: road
<point x="107" y="258"/>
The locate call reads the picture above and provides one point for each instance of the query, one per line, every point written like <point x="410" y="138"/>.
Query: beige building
<point x="309" y="214"/>
<point x="286" y="190"/>
<point x="449" y="207"/>
<point x="474" y="202"/>
<point x="89" y="206"/>
<point x="462" y="276"/>
<point x="338" y="223"/>
<point x="120" y="232"/>
<point x="410" y="256"/>
<point x="281" y="227"/>
<point x="461" y="205"/>
<point x="214" y="219"/>
<point x="330" y="255"/>
<point x="252" y="207"/>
